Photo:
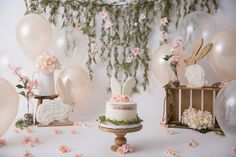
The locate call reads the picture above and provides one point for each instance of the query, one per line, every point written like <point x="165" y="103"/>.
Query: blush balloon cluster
<point x="221" y="57"/>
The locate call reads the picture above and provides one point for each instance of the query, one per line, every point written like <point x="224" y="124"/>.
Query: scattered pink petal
<point x="79" y="123"/>
<point x="57" y="131"/>
<point x="78" y="155"/>
<point x="29" y="130"/>
<point x="27" y="154"/>
<point x="234" y="151"/>
<point x="2" y="142"/>
<point x="192" y="143"/>
<point x="163" y="125"/>
<point x="64" y="149"/>
<point x="37" y="141"/>
<point x="170" y="131"/>
<point x="87" y="124"/>
<point x="74" y="131"/>
<point x="27" y="140"/>
<point x="124" y="149"/>
<point x="17" y="131"/>
<point x="171" y="152"/>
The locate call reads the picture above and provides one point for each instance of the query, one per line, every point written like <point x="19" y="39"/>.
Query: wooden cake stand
<point x="120" y="135"/>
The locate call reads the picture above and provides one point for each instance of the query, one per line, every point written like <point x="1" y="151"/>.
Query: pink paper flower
<point x="47" y="63"/>
<point x="93" y="47"/>
<point x="125" y="149"/>
<point x="78" y="155"/>
<point x="192" y="143"/>
<point x="37" y="141"/>
<point x="107" y="24"/>
<point x="142" y="17"/>
<point x="103" y="14"/>
<point x="234" y="151"/>
<point x="171" y="152"/>
<point x="28" y="141"/>
<point x="27" y="154"/>
<point x="2" y="142"/>
<point x="163" y="37"/>
<point x="57" y="131"/>
<point x="136" y="51"/>
<point x="64" y="149"/>
<point x="74" y="131"/>
<point x="29" y="130"/>
<point x="79" y="26"/>
<point x="164" y="21"/>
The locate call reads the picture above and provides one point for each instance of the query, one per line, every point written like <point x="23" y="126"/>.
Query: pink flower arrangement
<point x="125" y="149"/>
<point x="26" y="85"/>
<point x="64" y="149"/>
<point x="47" y="63"/>
<point x="136" y="51"/>
<point x="103" y="14"/>
<point x="142" y="17"/>
<point x="107" y="24"/>
<point x="120" y="98"/>
<point x="164" y="21"/>
<point x="27" y="154"/>
<point x="192" y="143"/>
<point x="171" y="152"/>
<point x="2" y="142"/>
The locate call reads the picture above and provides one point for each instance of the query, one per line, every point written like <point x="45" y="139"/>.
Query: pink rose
<point x="136" y="51"/>
<point x="103" y="14"/>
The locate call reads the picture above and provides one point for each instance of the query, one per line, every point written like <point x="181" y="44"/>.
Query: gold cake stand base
<point x="120" y="135"/>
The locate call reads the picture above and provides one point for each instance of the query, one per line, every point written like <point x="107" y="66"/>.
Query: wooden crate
<point x="181" y="98"/>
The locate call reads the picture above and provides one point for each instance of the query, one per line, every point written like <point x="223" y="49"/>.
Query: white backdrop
<point x="149" y="102"/>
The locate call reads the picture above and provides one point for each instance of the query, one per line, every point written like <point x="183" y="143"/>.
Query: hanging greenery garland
<point x="125" y="30"/>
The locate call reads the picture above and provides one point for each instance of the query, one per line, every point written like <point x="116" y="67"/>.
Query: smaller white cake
<point x="121" y="111"/>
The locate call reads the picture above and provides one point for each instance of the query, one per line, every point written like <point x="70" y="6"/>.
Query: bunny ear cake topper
<point x="127" y="87"/>
<point x="195" y="74"/>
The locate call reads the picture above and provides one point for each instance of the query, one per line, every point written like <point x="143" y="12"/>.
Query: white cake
<point x="121" y="111"/>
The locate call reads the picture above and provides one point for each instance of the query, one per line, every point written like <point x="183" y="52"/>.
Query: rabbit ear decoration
<point x="115" y="86"/>
<point x="203" y="52"/>
<point x="128" y="86"/>
<point x="197" y="47"/>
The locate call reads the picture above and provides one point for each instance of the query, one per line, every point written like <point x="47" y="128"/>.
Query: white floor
<point x="151" y="141"/>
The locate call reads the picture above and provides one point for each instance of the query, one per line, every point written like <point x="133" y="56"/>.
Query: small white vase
<point x="46" y="85"/>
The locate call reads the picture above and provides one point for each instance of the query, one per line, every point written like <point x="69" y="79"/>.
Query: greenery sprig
<point x="104" y="120"/>
<point x="125" y="30"/>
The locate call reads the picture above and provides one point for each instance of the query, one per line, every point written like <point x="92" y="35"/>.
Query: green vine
<point x="104" y="120"/>
<point x="125" y="30"/>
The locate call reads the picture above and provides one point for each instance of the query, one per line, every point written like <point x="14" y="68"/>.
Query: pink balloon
<point x="162" y="69"/>
<point x="9" y="102"/>
<point x="34" y="35"/>
<point x="222" y="56"/>
<point x="73" y="85"/>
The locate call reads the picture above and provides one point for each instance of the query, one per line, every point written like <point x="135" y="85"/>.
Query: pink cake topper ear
<point x="128" y="86"/>
<point x="115" y="87"/>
